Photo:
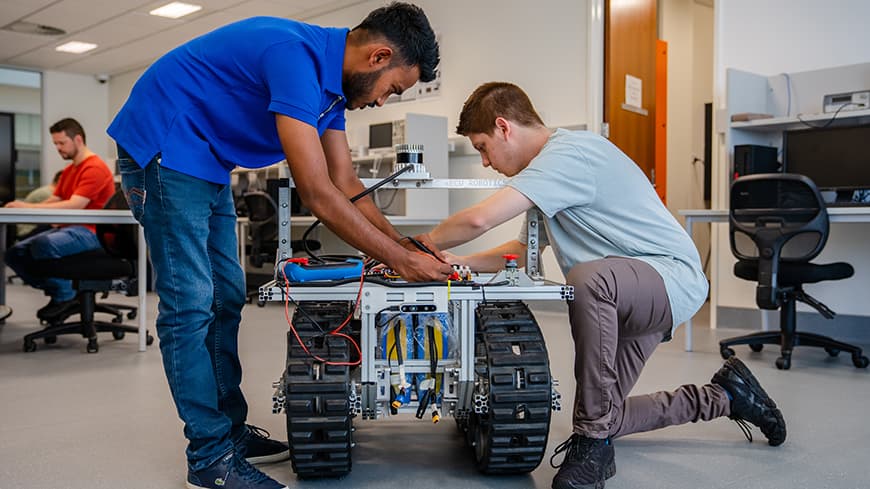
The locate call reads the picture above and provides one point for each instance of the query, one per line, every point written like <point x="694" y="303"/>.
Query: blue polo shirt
<point x="209" y="105"/>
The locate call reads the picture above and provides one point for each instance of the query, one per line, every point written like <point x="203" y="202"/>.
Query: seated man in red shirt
<point x="86" y="183"/>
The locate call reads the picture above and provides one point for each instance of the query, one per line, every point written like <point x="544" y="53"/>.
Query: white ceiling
<point x="128" y="38"/>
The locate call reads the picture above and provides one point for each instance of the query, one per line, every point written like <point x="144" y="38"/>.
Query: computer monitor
<point x="381" y="136"/>
<point x="835" y="158"/>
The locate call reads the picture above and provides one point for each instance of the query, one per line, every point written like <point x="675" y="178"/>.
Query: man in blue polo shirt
<point x="251" y="94"/>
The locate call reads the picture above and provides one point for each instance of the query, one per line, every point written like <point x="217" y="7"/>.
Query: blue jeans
<point x="54" y="243"/>
<point x="190" y="230"/>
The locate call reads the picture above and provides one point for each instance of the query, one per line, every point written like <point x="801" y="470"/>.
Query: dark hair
<point x="492" y="100"/>
<point x="70" y="126"/>
<point x="56" y="176"/>
<point x="406" y="27"/>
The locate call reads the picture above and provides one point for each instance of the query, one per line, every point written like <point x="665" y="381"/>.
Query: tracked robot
<point x="365" y="344"/>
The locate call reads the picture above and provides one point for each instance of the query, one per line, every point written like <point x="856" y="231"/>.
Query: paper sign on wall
<point x="633" y="91"/>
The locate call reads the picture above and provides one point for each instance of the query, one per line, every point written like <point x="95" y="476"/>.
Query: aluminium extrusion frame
<point x="459" y="301"/>
<point x="534" y="220"/>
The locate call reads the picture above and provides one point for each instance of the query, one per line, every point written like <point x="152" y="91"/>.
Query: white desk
<point x="79" y="216"/>
<point x="835" y="214"/>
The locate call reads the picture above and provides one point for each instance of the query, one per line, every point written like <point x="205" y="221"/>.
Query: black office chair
<point x="778" y="223"/>
<point x="263" y="227"/>
<point x="98" y="271"/>
<point x="262" y="213"/>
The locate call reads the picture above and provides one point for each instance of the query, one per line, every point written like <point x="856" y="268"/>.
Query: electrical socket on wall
<point x="419" y="90"/>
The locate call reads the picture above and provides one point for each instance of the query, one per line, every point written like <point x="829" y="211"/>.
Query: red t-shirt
<point x="91" y="179"/>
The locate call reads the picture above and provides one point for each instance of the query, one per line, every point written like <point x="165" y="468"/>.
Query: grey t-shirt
<point x="598" y="203"/>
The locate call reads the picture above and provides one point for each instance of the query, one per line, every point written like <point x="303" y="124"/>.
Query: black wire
<point x="826" y="124"/>
<point x="433" y="353"/>
<point x="386" y="206"/>
<point x="396" y="342"/>
<point x="352" y="199"/>
<point x="299" y="308"/>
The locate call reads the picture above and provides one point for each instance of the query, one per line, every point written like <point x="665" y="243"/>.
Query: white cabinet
<point x="429" y="205"/>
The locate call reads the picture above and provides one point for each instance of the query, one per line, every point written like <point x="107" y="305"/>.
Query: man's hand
<point x="16" y="204"/>
<point x="421" y="267"/>
<point x="426" y="241"/>
<point x="421" y="239"/>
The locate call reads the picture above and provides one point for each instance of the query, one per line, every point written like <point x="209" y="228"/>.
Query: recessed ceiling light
<point x="175" y="10"/>
<point x="76" y="47"/>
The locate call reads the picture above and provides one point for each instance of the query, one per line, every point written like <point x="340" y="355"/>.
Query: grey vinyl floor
<point x="74" y="420"/>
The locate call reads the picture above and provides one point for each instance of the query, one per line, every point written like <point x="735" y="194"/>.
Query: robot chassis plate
<point x="496" y="383"/>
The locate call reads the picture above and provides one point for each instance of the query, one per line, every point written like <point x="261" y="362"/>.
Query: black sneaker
<point x="55" y="309"/>
<point x="749" y="402"/>
<point x="231" y="472"/>
<point x="258" y="448"/>
<point x="588" y="463"/>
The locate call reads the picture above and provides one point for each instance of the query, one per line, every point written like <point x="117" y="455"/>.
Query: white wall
<point x="119" y="90"/>
<point x="776" y="36"/>
<point x="84" y="99"/>
<point x="19" y="100"/>
<point x="541" y="49"/>
<point x="773" y="37"/>
<point x="687" y="27"/>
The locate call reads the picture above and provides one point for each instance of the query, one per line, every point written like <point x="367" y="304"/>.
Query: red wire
<point x="334" y="332"/>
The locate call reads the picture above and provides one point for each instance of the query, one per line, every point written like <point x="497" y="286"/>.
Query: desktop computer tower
<point x="750" y="159"/>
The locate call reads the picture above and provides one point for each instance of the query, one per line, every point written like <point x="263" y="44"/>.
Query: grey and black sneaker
<point x="749" y="402"/>
<point x="231" y="472"/>
<point x="258" y="448"/>
<point x="587" y="463"/>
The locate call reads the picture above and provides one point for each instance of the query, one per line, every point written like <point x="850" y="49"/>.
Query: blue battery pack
<point x="299" y="270"/>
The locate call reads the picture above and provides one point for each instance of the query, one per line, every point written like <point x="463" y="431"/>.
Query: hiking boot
<point x="231" y="472"/>
<point x="54" y="310"/>
<point x="749" y="402"/>
<point x="587" y="463"/>
<point x="257" y="448"/>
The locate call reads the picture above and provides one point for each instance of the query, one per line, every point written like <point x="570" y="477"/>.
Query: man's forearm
<point x="58" y="204"/>
<point x="457" y="229"/>
<point x="492" y="260"/>
<point x="351" y="225"/>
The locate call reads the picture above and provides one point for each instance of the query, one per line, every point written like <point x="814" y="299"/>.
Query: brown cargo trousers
<point x="619" y="314"/>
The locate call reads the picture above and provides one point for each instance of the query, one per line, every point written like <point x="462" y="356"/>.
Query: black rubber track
<point x="318" y="417"/>
<point x="511" y="438"/>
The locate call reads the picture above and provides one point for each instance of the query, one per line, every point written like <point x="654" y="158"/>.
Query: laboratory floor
<point x="74" y="420"/>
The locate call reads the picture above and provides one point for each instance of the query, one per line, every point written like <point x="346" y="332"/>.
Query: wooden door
<point x="630" y="35"/>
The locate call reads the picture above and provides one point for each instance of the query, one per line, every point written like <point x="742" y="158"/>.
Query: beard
<point x="358" y="86"/>
<point x="69" y="155"/>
